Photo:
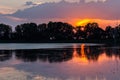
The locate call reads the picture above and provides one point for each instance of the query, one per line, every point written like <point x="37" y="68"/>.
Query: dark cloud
<point x="29" y="3"/>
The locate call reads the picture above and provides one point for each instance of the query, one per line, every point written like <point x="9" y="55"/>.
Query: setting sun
<point x="83" y="22"/>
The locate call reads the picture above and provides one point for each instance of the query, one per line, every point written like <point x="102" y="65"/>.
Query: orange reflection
<point x="79" y="57"/>
<point x="86" y="55"/>
<point x="104" y="58"/>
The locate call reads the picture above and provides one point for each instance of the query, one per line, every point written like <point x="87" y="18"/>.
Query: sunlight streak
<point x="83" y="22"/>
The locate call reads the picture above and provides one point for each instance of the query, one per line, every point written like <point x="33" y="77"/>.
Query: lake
<point x="60" y="61"/>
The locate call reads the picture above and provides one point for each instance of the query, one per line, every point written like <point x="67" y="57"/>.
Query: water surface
<point x="60" y="62"/>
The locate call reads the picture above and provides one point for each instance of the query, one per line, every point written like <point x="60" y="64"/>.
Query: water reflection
<point x="57" y="55"/>
<point x="81" y="53"/>
<point x="92" y="53"/>
<point x="5" y="55"/>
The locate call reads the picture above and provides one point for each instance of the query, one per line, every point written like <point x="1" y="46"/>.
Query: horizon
<point x="77" y="23"/>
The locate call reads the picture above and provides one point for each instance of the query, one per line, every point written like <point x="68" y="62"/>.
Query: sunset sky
<point x="75" y="12"/>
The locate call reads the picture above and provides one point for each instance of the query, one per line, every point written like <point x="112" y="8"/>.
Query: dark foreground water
<point x="61" y="62"/>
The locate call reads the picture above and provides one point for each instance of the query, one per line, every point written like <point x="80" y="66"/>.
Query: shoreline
<point x="117" y="42"/>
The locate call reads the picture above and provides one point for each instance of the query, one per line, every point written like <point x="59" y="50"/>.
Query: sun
<point x="82" y="22"/>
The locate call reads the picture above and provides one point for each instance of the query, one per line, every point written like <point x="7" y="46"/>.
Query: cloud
<point x="5" y="9"/>
<point x="94" y="0"/>
<point x="106" y="10"/>
<point x="12" y="21"/>
<point x="14" y="18"/>
<point x="66" y="11"/>
<point x="29" y="3"/>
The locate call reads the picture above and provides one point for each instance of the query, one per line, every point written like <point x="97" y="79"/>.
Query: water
<point x="59" y="62"/>
<point x="14" y="46"/>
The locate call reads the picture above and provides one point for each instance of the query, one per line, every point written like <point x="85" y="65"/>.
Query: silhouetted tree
<point x="117" y="32"/>
<point x="109" y="32"/>
<point x="19" y="33"/>
<point x="80" y="33"/>
<point x="5" y="32"/>
<point x="60" y="31"/>
<point x="43" y="34"/>
<point x="93" y="31"/>
<point x="27" y="31"/>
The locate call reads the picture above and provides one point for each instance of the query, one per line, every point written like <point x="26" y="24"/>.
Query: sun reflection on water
<point x="84" y="54"/>
<point x="79" y="57"/>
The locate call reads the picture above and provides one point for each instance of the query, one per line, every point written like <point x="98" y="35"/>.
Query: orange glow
<point x="102" y="22"/>
<point x="83" y="22"/>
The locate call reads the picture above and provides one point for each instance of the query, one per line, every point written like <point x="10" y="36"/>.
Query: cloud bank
<point x="65" y="11"/>
<point x="100" y="10"/>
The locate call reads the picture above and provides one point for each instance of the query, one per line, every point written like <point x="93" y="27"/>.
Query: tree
<point x="109" y="32"/>
<point x="60" y="31"/>
<point x="80" y="33"/>
<point x="117" y="32"/>
<point x="5" y="32"/>
<point x="93" y="31"/>
<point x="19" y="33"/>
<point x="43" y="34"/>
<point x="27" y="31"/>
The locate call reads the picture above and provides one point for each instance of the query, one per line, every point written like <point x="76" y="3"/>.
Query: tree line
<point x="59" y="32"/>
